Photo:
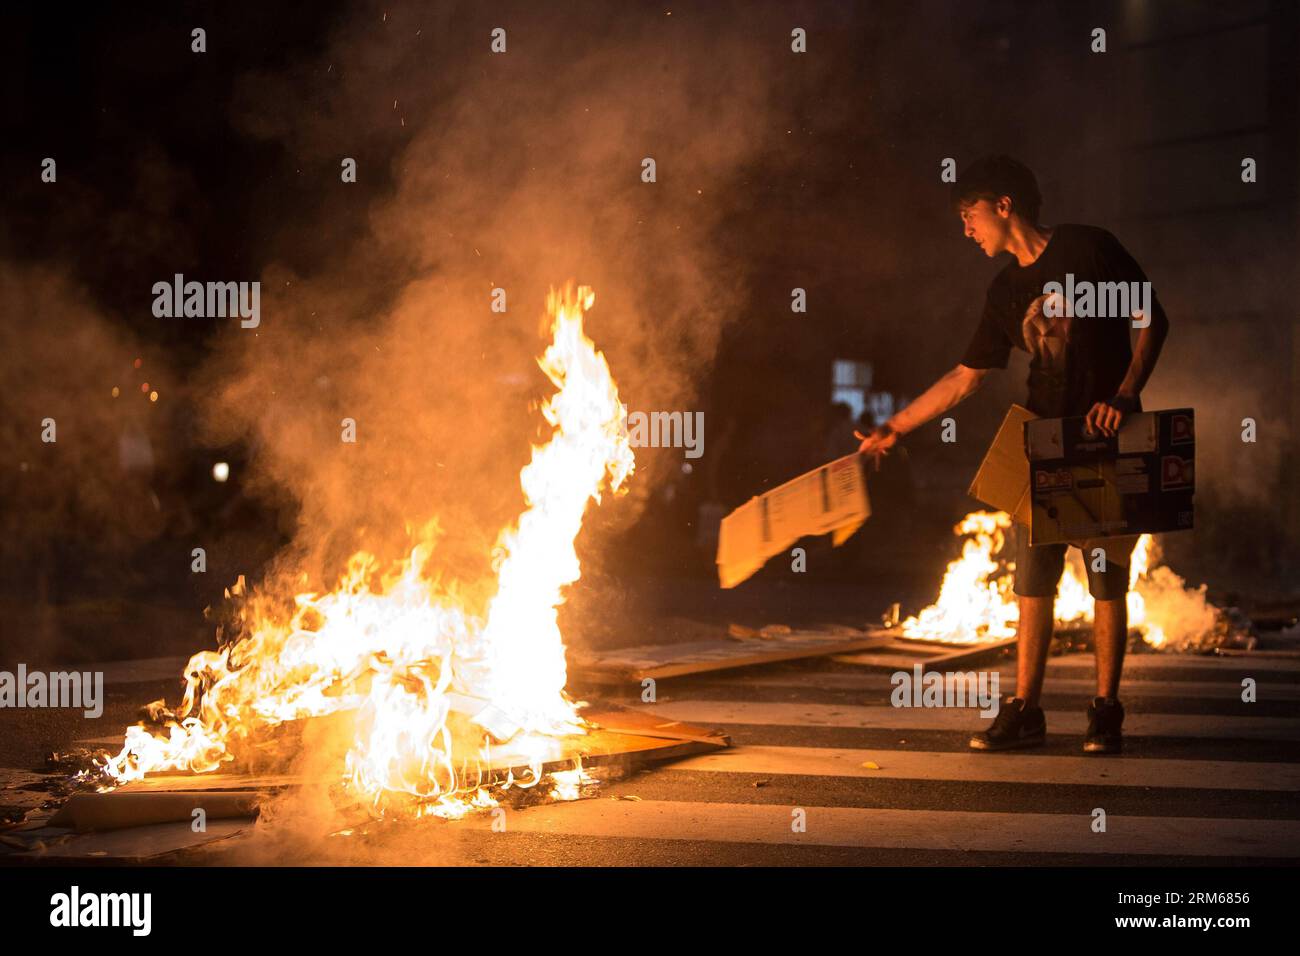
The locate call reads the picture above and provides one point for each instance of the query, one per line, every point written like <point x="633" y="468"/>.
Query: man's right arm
<point x="948" y="391"/>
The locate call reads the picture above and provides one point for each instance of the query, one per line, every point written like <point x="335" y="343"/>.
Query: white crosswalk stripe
<point x="957" y="831"/>
<point x="959" y="803"/>
<point x="1160" y="828"/>
<point x="1002" y="768"/>
<point x="966" y="719"/>
<point x="1141" y="664"/>
<point x="879" y="682"/>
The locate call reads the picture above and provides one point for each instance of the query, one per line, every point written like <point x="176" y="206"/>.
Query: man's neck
<point x="1027" y="242"/>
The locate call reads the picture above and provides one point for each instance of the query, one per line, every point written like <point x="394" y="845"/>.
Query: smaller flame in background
<point x="976" y="602"/>
<point x="437" y="695"/>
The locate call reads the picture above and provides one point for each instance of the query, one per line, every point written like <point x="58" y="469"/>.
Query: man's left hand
<point x="1106" y="417"/>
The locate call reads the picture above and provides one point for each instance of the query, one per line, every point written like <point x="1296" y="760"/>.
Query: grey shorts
<point x="1039" y="568"/>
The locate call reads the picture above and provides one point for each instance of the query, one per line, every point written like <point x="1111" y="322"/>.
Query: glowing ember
<point x="433" y="693"/>
<point x="976" y="601"/>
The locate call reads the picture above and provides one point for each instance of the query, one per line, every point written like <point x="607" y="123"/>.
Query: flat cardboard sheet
<point x="1002" y="481"/>
<point x="110" y="811"/>
<point x="830" y="500"/>
<point x="904" y="653"/>
<point x="656" y="661"/>
<point x="157" y="842"/>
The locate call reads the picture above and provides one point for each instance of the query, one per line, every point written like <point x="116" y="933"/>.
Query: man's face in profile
<point x="987" y="224"/>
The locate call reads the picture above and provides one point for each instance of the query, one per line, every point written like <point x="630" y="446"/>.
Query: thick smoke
<point x="519" y="170"/>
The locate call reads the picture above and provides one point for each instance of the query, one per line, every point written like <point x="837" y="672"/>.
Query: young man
<point x="1078" y="366"/>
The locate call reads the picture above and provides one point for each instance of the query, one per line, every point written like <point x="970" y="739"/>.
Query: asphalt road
<point x="1206" y="779"/>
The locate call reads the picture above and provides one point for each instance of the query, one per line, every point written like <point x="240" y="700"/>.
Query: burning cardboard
<point x="433" y="690"/>
<point x="614" y="736"/>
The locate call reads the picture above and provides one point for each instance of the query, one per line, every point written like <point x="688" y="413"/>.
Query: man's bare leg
<point x="1109" y="637"/>
<point x="1033" y="638"/>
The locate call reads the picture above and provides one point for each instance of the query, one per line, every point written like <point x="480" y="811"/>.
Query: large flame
<point x="976" y="602"/>
<point x="431" y="689"/>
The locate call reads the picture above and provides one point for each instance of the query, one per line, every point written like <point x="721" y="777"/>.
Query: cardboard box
<point x="1090" y="486"/>
<point x="1071" y="487"/>
<point x="830" y="500"/>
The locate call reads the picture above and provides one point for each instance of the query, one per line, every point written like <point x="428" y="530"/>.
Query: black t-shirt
<point x="1075" y="361"/>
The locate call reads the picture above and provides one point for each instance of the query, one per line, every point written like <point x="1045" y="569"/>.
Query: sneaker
<point x="1105" y="717"/>
<point x="1014" y="727"/>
